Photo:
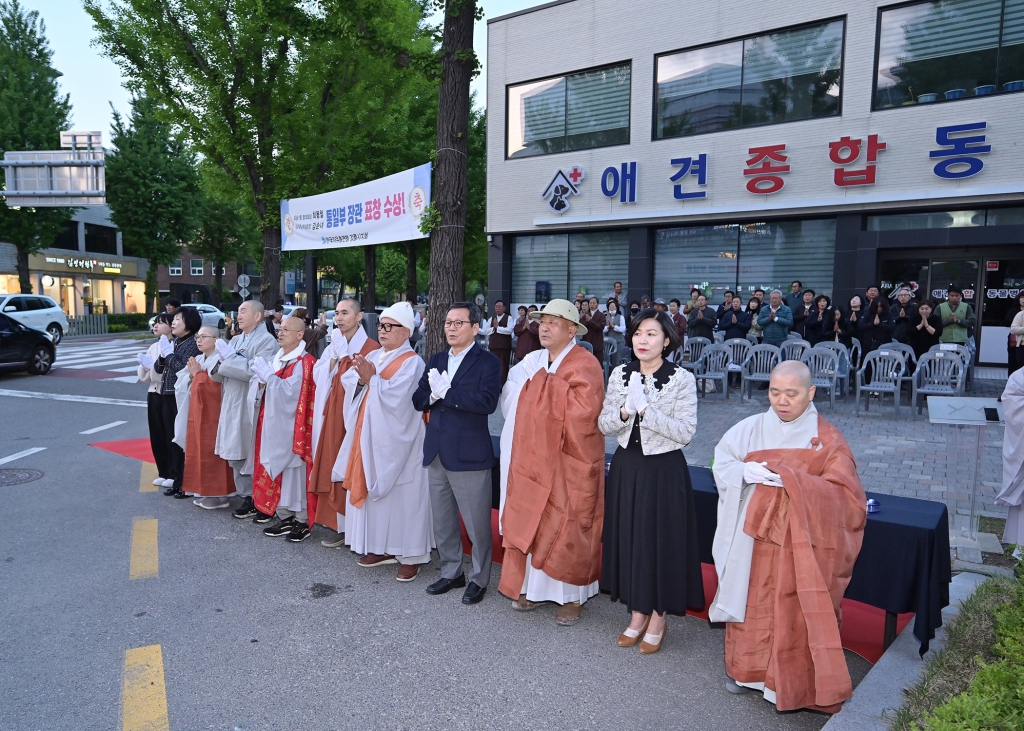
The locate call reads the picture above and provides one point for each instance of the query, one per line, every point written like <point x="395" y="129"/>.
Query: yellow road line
<point x="147" y="476"/>
<point x="145" y="697"/>
<point x="145" y="557"/>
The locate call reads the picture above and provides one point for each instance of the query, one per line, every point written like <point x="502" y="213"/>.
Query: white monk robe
<point x="280" y="399"/>
<point x="537" y="586"/>
<point x="732" y="548"/>
<point x="1013" y="460"/>
<point x="395" y="519"/>
<point x="323" y="376"/>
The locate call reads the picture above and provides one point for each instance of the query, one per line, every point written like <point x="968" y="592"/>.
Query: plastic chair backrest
<point x="762" y="360"/>
<point x="740" y="349"/>
<point x="694" y="347"/>
<point x="794" y="349"/>
<point x="906" y="350"/>
<point x="752" y="339"/>
<point x="887" y="367"/>
<point x="939" y="369"/>
<point x="841" y="350"/>
<point x="962" y="350"/>
<point x="715" y="359"/>
<point x="856" y="353"/>
<point x="823" y="362"/>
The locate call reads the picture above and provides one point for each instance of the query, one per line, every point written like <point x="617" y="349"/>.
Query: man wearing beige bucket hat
<point x="552" y="470"/>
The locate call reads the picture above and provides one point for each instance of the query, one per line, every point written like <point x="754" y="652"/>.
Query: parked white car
<point x="36" y="312"/>
<point x="212" y="317"/>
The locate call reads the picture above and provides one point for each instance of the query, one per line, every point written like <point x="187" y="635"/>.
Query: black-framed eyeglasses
<point x="386" y="327"/>
<point x="457" y="324"/>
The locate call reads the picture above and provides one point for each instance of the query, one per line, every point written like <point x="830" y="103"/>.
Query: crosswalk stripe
<point x="96" y="356"/>
<point x="95" y="364"/>
<point x="70" y="397"/>
<point x="95" y="429"/>
<point x="19" y="455"/>
<point x="145" y="692"/>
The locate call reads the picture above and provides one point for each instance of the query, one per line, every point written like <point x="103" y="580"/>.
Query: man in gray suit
<point x="234" y="430"/>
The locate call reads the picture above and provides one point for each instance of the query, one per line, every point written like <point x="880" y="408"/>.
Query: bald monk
<point x="206" y="475"/>
<point x="327" y="497"/>
<point x="791" y="516"/>
<point x="552" y="470"/>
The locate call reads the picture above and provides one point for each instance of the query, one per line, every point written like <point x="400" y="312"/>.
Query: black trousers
<point x="157" y="439"/>
<point x="175" y="454"/>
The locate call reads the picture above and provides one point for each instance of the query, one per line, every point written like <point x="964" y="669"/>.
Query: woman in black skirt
<point x="650" y="559"/>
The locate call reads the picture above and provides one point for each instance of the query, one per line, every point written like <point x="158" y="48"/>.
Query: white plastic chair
<point x="939" y="373"/>
<point x="692" y="351"/>
<point x="886" y="372"/>
<point x="824" y="366"/>
<point x="758" y="367"/>
<point x="713" y="366"/>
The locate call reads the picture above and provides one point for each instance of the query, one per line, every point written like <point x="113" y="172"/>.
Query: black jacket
<point x="902" y="322"/>
<point x="457" y="430"/>
<point x="815" y="324"/>
<point x="873" y="336"/>
<point x="800" y="314"/>
<point x="737" y="330"/>
<point x="701" y="327"/>
<point x="920" y="340"/>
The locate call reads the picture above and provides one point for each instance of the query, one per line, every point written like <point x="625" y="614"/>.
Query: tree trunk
<point x="370" y="291"/>
<point x="410" y="271"/>
<point x="23" y="276"/>
<point x="270" y="277"/>
<point x="152" y="296"/>
<point x="448" y="240"/>
<point x="218" y="280"/>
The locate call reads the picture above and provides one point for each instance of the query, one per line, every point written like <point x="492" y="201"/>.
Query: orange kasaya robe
<point x="355" y="472"/>
<point x="206" y="474"/>
<point x="330" y="496"/>
<point x="266" y="492"/>
<point x="807" y="537"/>
<point x="554" y="502"/>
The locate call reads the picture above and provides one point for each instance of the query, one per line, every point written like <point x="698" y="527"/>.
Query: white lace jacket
<point x="670" y="420"/>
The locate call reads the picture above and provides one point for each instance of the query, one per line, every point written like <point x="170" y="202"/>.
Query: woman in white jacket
<point x="1016" y="359"/>
<point x="157" y="438"/>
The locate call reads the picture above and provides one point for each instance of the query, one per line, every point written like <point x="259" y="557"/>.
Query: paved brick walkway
<point x="895" y="455"/>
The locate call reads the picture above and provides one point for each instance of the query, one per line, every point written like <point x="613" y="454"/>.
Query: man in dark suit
<point x="460" y="389"/>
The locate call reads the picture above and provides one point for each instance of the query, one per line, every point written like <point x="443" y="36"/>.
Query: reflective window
<point x="174" y="268"/>
<point x="554" y="266"/>
<point x="949" y="49"/>
<point x="195" y="267"/>
<point x="776" y="77"/>
<point x="946" y="219"/>
<point x="573" y="112"/>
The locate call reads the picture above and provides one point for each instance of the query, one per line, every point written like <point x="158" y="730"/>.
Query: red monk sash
<point x="355" y="473"/>
<point x="266" y="492"/>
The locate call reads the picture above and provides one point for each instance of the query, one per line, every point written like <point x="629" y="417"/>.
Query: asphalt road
<point x="257" y="633"/>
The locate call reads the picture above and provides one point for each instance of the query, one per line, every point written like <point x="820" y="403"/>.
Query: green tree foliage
<point x="152" y="188"/>
<point x="32" y="114"/>
<point x="287" y="97"/>
<point x="224" y="235"/>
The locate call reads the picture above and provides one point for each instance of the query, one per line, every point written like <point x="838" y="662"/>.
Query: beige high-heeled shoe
<point x="648" y="647"/>
<point x="630" y="637"/>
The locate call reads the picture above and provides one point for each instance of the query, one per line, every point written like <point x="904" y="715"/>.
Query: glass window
<point x="949" y="49"/>
<point x="195" y="267"/>
<point x="772" y="255"/>
<point x="540" y="268"/>
<point x="932" y="219"/>
<point x="701" y="257"/>
<point x="573" y="112"/>
<point x="1005" y="217"/>
<point x="174" y="268"/>
<point x="68" y="237"/>
<point x="776" y="77"/>
<point x="597" y="260"/>
<point x="100" y="239"/>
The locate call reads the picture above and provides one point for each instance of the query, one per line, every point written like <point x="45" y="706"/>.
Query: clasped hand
<point x="439" y="383"/>
<point x="145" y="361"/>
<point x="261" y="369"/>
<point x="636" y="398"/>
<point x="364" y="368"/>
<point x="166" y="348"/>
<point x="193" y="367"/>
<point x="223" y="349"/>
<point x="757" y="473"/>
<point x="339" y="346"/>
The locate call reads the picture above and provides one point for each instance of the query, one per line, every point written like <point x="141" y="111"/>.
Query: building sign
<point x="561" y="187"/>
<point x="379" y="212"/>
<point x="81" y="264"/>
<point x="621" y="184"/>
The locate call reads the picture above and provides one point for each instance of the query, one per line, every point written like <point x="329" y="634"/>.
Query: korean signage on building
<point x="81" y="264"/>
<point x="379" y="212"/>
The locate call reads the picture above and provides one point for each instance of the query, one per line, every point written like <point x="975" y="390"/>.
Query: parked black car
<point x="24" y="349"/>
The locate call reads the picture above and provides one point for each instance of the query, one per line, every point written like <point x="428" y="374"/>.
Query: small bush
<point x="117" y="328"/>
<point x="130" y="321"/>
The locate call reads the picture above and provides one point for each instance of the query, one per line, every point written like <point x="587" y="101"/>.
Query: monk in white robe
<point x="552" y="471"/>
<point x="387" y="513"/>
<point x="282" y="393"/>
<point x="1012" y="495"/>
<point x="195" y="427"/>
<point x="233" y="373"/>
<point x="791" y="517"/>
<point x="327" y="496"/>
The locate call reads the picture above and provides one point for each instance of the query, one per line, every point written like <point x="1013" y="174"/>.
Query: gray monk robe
<point x="234" y="430"/>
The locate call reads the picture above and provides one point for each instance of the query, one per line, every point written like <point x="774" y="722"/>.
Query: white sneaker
<point x="159" y="482"/>
<point x="167" y="483"/>
<point x="212" y="503"/>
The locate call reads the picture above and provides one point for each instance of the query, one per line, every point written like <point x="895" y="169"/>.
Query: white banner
<point x="378" y="212"/>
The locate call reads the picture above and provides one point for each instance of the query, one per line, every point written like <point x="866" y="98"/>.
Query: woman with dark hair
<point x="839" y="329"/>
<point x="754" y="307"/>
<point x="854" y="311"/>
<point x="173" y="357"/>
<point x="650" y="556"/>
<point x="158" y="440"/>
<point x="875" y="328"/>
<point x="924" y="328"/>
<point x="817" y="322"/>
<point x="615" y="326"/>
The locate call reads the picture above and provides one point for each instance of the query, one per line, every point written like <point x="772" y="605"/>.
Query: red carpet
<point x="135" y="448"/>
<point x="863" y="625"/>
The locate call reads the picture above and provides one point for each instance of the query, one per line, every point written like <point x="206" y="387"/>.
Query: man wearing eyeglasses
<point x="283" y="394"/>
<point x="387" y="513"/>
<point x="459" y="391"/>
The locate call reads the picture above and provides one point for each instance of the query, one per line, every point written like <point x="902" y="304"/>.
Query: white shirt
<point x="454" y="361"/>
<point x="506" y="330"/>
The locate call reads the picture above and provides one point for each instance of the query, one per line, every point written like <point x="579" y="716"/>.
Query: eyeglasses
<point x="386" y="327"/>
<point x="203" y="337"/>
<point x="454" y="323"/>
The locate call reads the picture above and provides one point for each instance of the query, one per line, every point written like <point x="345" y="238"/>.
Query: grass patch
<point x="990" y="524"/>
<point x="971" y="640"/>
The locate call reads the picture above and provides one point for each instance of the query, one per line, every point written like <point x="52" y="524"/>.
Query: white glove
<point x="145" y="361"/>
<point x="224" y="350"/>
<point x="339" y="347"/>
<point x="757" y="473"/>
<point x="165" y="347"/>
<point x="261" y="369"/>
<point x="439" y="383"/>
<point x="636" y="399"/>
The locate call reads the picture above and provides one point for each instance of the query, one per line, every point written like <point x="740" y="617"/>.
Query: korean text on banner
<point x="379" y="212"/>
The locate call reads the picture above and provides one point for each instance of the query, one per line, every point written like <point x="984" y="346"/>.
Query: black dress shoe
<point x="168" y="491"/>
<point x="474" y="594"/>
<point x="443" y="585"/>
<point x="179" y="495"/>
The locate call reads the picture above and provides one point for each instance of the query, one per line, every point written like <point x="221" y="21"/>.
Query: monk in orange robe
<point x="326" y="495"/>
<point x="790" y="524"/>
<point x="552" y="470"/>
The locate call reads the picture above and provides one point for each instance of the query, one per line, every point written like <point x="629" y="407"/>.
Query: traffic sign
<point x="243" y="281"/>
<point x="243" y="292"/>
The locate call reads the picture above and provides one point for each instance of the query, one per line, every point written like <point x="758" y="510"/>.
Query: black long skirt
<point x="650" y="558"/>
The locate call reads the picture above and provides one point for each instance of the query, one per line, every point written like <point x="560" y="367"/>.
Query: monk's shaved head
<point x="354" y="302"/>
<point x="209" y="330"/>
<point x="790" y="390"/>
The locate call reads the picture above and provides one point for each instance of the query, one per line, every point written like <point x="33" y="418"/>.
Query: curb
<point x="899" y="667"/>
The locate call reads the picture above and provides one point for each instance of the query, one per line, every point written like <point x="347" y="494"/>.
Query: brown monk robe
<point x="553" y="471"/>
<point x="206" y="474"/>
<point x="798" y="536"/>
<point x="329" y="431"/>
